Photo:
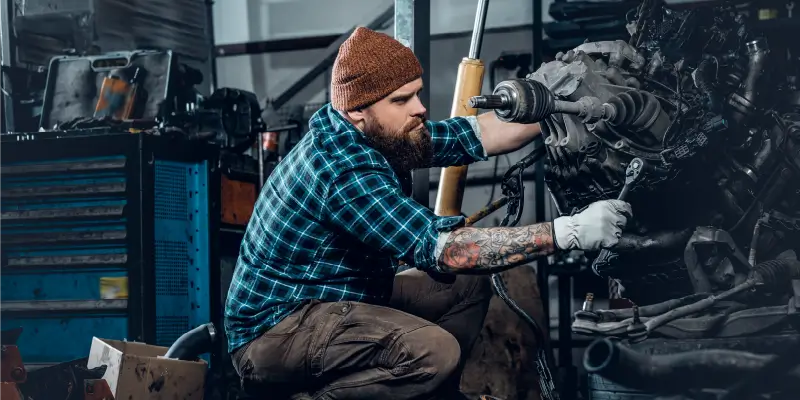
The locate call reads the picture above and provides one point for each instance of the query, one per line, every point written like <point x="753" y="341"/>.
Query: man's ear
<point x="357" y="118"/>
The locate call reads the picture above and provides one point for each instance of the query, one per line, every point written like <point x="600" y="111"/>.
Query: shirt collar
<point x="327" y="119"/>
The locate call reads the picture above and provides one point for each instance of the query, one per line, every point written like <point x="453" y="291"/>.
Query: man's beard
<point x="406" y="149"/>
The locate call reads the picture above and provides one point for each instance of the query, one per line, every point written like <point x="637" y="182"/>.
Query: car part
<point x="686" y="94"/>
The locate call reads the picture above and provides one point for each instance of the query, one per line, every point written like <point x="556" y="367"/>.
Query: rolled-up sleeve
<point x="456" y="141"/>
<point x="371" y="207"/>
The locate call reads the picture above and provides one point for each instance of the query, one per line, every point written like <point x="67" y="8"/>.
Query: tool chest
<point x="110" y="235"/>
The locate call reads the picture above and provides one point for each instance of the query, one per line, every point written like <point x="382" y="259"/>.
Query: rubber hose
<point x="671" y="373"/>
<point x="192" y="344"/>
<point x="502" y="292"/>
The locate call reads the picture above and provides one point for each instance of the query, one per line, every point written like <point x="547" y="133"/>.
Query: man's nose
<point x="419" y="109"/>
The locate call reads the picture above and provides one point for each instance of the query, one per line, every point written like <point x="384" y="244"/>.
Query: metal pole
<point x="412" y="28"/>
<point x="7" y="52"/>
<point x="212" y="54"/>
<point x="567" y="370"/>
<point x="260" y="161"/>
<point x="540" y="195"/>
<point x="469" y="81"/>
<point x="539" y="187"/>
<point x="477" y="30"/>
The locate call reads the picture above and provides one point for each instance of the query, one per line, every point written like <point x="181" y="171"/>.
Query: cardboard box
<point x="136" y="371"/>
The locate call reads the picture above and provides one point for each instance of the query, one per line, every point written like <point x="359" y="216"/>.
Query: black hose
<point x="748" y="388"/>
<point x="502" y="292"/>
<point x="666" y="240"/>
<point x="671" y="373"/>
<point x="192" y="344"/>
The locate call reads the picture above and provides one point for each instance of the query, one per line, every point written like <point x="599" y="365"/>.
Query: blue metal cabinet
<point x="84" y="212"/>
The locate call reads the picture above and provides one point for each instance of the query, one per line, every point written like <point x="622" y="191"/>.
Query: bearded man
<point x="316" y="304"/>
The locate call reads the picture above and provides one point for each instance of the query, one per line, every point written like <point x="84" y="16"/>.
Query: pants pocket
<point x="327" y="328"/>
<point x="278" y="359"/>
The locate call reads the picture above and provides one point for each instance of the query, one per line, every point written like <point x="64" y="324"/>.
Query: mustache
<point x="413" y="123"/>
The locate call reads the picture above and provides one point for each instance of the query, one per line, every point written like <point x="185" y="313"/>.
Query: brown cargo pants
<point x="414" y="349"/>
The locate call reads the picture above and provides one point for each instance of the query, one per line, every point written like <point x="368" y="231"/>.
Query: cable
<point x="494" y="177"/>
<point x="545" y="377"/>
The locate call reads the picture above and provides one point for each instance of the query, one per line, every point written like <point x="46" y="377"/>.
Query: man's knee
<point x="477" y="287"/>
<point x="430" y="350"/>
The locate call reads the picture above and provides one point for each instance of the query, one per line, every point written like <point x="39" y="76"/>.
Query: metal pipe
<point x="7" y="62"/>
<point x="566" y="368"/>
<point x="212" y="59"/>
<point x="260" y="161"/>
<point x="469" y="81"/>
<point x="485" y="211"/>
<point x="477" y="30"/>
<point x="193" y="343"/>
<point x="412" y="28"/>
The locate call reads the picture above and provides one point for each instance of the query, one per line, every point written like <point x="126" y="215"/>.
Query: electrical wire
<point x="500" y="287"/>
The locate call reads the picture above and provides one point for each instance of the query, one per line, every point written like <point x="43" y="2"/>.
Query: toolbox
<point x="110" y="235"/>
<point x="145" y="83"/>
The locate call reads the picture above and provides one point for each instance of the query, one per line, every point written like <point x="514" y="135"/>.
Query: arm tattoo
<point x="488" y="250"/>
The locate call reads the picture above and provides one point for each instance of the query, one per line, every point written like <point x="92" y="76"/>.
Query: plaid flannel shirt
<point x="331" y="222"/>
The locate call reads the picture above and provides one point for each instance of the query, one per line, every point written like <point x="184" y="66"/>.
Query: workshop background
<point x="274" y="56"/>
<point x="281" y="51"/>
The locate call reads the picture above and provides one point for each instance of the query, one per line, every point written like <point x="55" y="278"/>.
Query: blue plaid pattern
<point x="331" y="222"/>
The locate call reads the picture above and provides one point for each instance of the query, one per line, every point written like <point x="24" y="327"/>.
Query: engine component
<point x="688" y="96"/>
<point x="674" y="373"/>
<point x="525" y="101"/>
<point x="767" y="275"/>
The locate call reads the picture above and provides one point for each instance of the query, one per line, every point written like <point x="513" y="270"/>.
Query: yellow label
<point x="767" y="13"/>
<point x="114" y="288"/>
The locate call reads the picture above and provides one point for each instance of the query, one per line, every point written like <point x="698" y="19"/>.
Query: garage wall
<point x="251" y="20"/>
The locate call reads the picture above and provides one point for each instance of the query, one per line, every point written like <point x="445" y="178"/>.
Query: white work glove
<point x="598" y="226"/>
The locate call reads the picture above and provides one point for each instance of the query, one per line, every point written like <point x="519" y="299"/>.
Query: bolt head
<point x="17" y="374"/>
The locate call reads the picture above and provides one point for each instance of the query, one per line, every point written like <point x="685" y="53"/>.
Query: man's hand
<point x="598" y="226"/>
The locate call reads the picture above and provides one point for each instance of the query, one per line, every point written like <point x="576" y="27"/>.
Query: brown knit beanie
<point x="369" y="67"/>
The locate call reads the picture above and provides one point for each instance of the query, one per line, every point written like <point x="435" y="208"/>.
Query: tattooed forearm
<point x="477" y="250"/>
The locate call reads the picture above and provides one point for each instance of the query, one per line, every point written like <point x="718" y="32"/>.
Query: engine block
<point x="702" y="100"/>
